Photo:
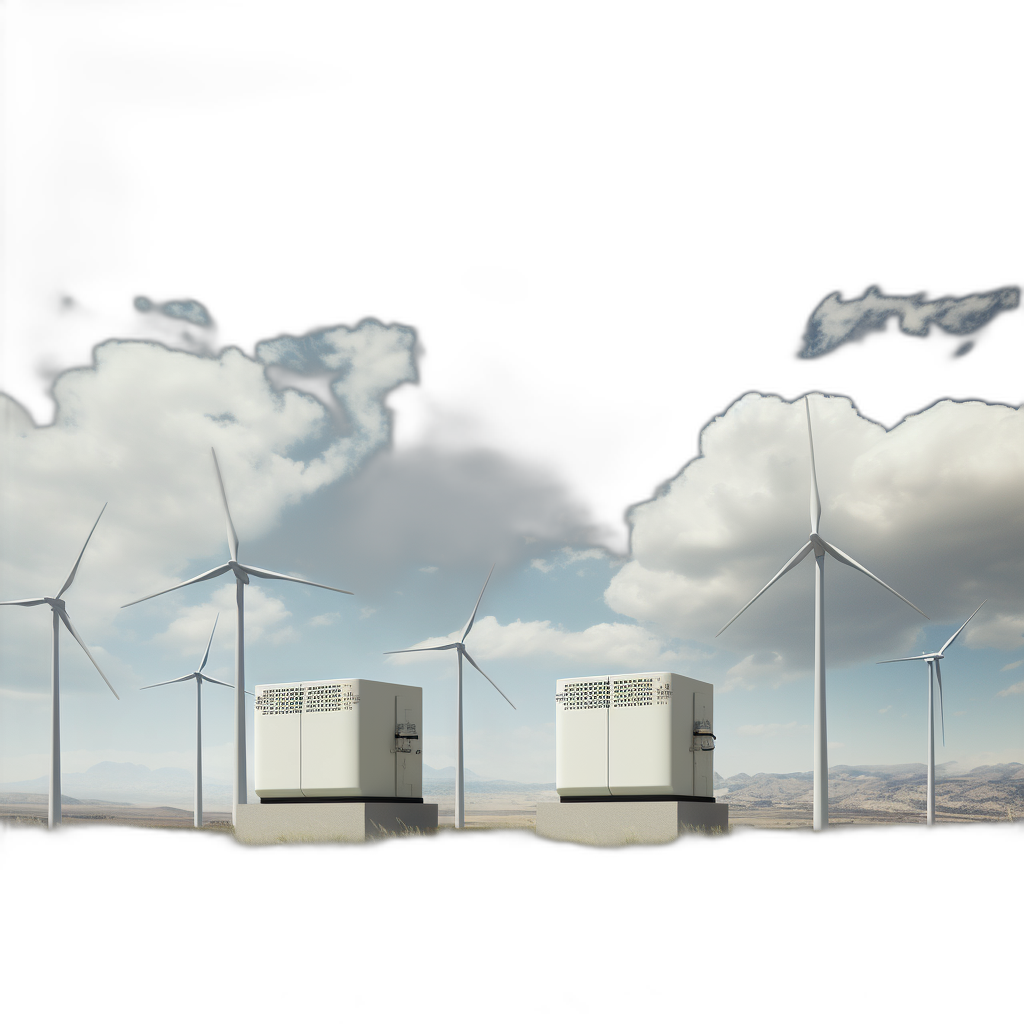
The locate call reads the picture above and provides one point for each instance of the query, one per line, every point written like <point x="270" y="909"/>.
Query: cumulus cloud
<point x="1012" y="691"/>
<point x="836" y="321"/>
<point x="265" y="619"/>
<point x="613" y="643"/>
<point x="135" y="429"/>
<point x="762" y="668"/>
<point x="569" y="556"/>
<point x="932" y="507"/>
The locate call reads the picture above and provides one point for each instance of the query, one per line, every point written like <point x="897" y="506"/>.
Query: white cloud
<point x="615" y="643"/>
<point x="885" y="710"/>
<point x="135" y="430"/>
<point x="763" y="667"/>
<point x="1013" y="690"/>
<point x="837" y="321"/>
<point x="327" y="619"/>
<point x="932" y="506"/>
<point x="265" y="618"/>
<point x="570" y="556"/>
<point x="1012" y="666"/>
<point x="428" y="568"/>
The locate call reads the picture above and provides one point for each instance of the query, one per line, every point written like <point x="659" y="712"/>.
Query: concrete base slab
<point x="263" y="824"/>
<point x="616" y="823"/>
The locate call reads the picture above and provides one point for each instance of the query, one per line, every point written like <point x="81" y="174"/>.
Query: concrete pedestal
<point x="263" y="824"/>
<point x="616" y="823"/>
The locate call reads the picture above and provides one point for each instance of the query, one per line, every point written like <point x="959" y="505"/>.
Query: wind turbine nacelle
<point x="341" y="739"/>
<point x="643" y="734"/>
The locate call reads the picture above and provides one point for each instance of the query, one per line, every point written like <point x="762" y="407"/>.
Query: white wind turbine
<point x="242" y="574"/>
<point x="199" y="676"/>
<point x="819" y="546"/>
<point x="60" y="615"/>
<point x="932" y="661"/>
<point x="460" y="647"/>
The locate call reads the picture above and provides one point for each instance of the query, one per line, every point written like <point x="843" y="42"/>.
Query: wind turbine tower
<point x="199" y="676"/>
<point x="460" y="648"/>
<point x="59" y="612"/>
<point x="934" y="674"/>
<point x="819" y="546"/>
<point x="242" y="574"/>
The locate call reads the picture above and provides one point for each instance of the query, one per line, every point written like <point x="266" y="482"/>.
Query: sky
<point x="411" y="371"/>
<point x="933" y="505"/>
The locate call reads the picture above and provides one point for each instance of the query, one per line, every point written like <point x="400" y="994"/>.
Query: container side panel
<point x="639" y="737"/>
<point x="581" y="736"/>
<point x="330" y="738"/>
<point x="277" y="741"/>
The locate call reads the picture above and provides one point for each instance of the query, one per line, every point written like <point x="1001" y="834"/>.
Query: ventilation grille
<point x="633" y="693"/>
<point x="282" y="700"/>
<point x="291" y="700"/>
<point x="583" y="696"/>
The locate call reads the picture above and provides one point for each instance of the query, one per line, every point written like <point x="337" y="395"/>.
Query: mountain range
<point x="987" y="791"/>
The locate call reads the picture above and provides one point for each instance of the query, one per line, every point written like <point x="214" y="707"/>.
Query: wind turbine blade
<point x="942" y="718"/>
<point x="469" y="658"/>
<point x="795" y="560"/>
<point x="917" y="657"/>
<point x="27" y="602"/>
<point x="210" y="679"/>
<point x="416" y="650"/>
<point x="180" y="679"/>
<point x="472" y="618"/>
<point x="232" y="536"/>
<point x="266" y="574"/>
<point x="815" y="499"/>
<point x="206" y="656"/>
<point x="81" y="643"/>
<point x="847" y="560"/>
<point x="219" y="571"/>
<point x="71" y="578"/>
<point x="961" y="629"/>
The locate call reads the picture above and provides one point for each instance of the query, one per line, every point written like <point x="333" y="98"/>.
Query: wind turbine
<point x="199" y="676"/>
<point x="819" y="546"/>
<point x="60" y="615"/>
<point x="242" y="574"/>
<point x="932" y="661"/>
<point x="460" y="647"/>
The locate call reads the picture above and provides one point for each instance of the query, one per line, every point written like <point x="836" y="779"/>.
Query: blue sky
<point x="317" y="489"/>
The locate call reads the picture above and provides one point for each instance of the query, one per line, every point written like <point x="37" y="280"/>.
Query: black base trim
<point x="341" y="799"/>
<point x="635" y="797"/>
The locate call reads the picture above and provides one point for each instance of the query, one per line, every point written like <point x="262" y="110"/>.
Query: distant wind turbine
<point x="199" y="676"/>
<point x="819" y="546"/>
<point x="460" y="648"/>
<point x="60" y="615"/>
<point x="932" y="661"/>
<point x="242" y="574"/>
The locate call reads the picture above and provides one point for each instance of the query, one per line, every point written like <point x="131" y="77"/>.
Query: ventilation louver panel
<point x="280" y="700"/>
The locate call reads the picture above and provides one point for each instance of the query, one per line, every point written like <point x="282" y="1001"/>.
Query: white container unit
<point x="347" y="738"/>
<point x="639" y="734"/>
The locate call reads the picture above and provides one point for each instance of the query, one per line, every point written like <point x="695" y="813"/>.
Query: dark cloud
<point x="427" y="507"/>
<point x="177" y="309"/>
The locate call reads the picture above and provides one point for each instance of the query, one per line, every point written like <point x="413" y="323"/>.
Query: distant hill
<point x="986" y="791"/>
<point x="123" y="782"/>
